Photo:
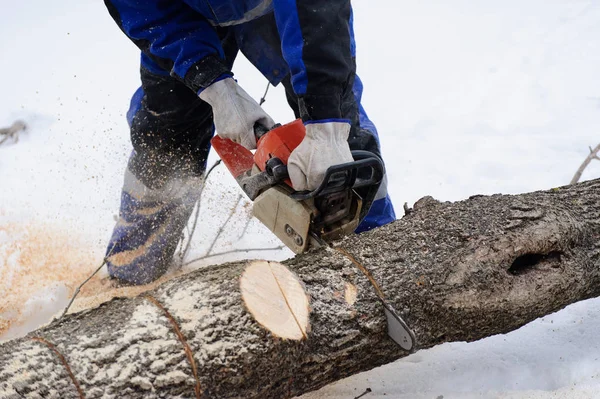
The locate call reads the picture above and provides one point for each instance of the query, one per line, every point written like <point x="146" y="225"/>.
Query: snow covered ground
<point x="470" y="97"/>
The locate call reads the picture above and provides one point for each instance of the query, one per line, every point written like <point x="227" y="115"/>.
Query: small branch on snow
<point x="12" y="131"/>
<point x="593" y="155"/>
<point x="367" y="391"/>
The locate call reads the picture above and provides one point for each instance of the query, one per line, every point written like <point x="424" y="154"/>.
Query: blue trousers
<point x="171" y="130"/>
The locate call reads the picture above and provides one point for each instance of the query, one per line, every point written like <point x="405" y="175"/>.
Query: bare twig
<point x="79" y="288"/>
<point x="233" y="251"/>
<point x="86" y="280"/>
<point x="593" y="155"/>
<point x="209" y="253"/>
<point x="12" y="131"/>
<point x="264" y="97"/>
<point x="184" y="247"/>
<point x="185" y="251"/>
<point x="224" y="224"/>
<point x="245" y="227"/>
<point x="367" y="391"/>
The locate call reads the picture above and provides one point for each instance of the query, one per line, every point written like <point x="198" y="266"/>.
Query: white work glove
<point x="325" y="145"/>
<point x="235" y="113"/>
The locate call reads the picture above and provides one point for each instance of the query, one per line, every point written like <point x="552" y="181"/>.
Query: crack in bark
<point x="54" y="349"/>
<point x="186" y="346"/>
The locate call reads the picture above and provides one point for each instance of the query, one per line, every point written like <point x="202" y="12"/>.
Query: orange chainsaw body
<point x="277" y="143"/>
<point x="306" y="218"/>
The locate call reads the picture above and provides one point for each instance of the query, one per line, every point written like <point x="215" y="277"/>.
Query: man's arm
<point x="317" y="45"/>
<point x="316" y="39"/>
<point x="175" y="37"/>
<point x="182" y="42"/>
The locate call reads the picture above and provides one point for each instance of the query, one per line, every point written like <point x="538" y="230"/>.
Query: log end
<point x="276" y="298"/>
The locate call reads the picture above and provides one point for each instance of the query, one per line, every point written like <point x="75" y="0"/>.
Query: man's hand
<point x="235" y="112"/>
<point x="325" y="145"/>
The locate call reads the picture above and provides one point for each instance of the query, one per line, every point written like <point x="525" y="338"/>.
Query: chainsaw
<point x="301" y="219"/>
<point x="309" y="219"/>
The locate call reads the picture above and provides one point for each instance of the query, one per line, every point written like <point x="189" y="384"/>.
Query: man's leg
<point x="364" y="136"/>
<point x="171" y="130"/>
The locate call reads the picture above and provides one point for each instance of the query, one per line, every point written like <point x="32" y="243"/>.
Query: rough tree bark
<point x="456" y="271"/>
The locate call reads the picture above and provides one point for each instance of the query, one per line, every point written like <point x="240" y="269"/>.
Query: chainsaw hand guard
<point x="366" y="170"/>
<point x="364" y="175"/>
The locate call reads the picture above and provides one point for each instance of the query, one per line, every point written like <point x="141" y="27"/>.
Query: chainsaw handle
<point x="346" y="175"/>
<point x="260" y="130"/>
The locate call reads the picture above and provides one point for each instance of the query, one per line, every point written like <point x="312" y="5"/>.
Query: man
<point x="188" y="49"/>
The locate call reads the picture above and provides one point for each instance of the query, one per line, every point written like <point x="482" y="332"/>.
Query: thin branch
<point x="79" y="288"/>
<point x="184" y="253"/>
<point x="593" y="155"/>
<point x="14" y="128"/>
<point x="233" y="251"/>
<point x="209" y="253"/>
<point x="239" y="199"/>
<point x="86" y="280"/>
<point x="245" y="227"/>
<point x="264" y="97"/>
<point x="367" y="391"/>
<point x="184" y="248"/>
<point x="12" y="131"/>
<point x="181" y="242"/>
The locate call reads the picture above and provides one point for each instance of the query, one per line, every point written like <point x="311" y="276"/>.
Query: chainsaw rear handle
<point x="367" y="170"/>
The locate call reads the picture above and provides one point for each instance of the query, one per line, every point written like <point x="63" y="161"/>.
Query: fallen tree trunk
<point x="455" y="271"/>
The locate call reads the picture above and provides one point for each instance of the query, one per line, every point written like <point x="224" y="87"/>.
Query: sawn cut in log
<point x="455" y="271"/>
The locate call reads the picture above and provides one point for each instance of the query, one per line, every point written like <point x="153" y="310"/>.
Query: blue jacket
<point x="181" y="37"/>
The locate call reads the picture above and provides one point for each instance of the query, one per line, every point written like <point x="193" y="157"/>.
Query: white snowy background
<point x="470" y="97"/>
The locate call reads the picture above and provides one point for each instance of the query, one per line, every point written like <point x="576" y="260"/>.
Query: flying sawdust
<point x="38" y="263"/>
